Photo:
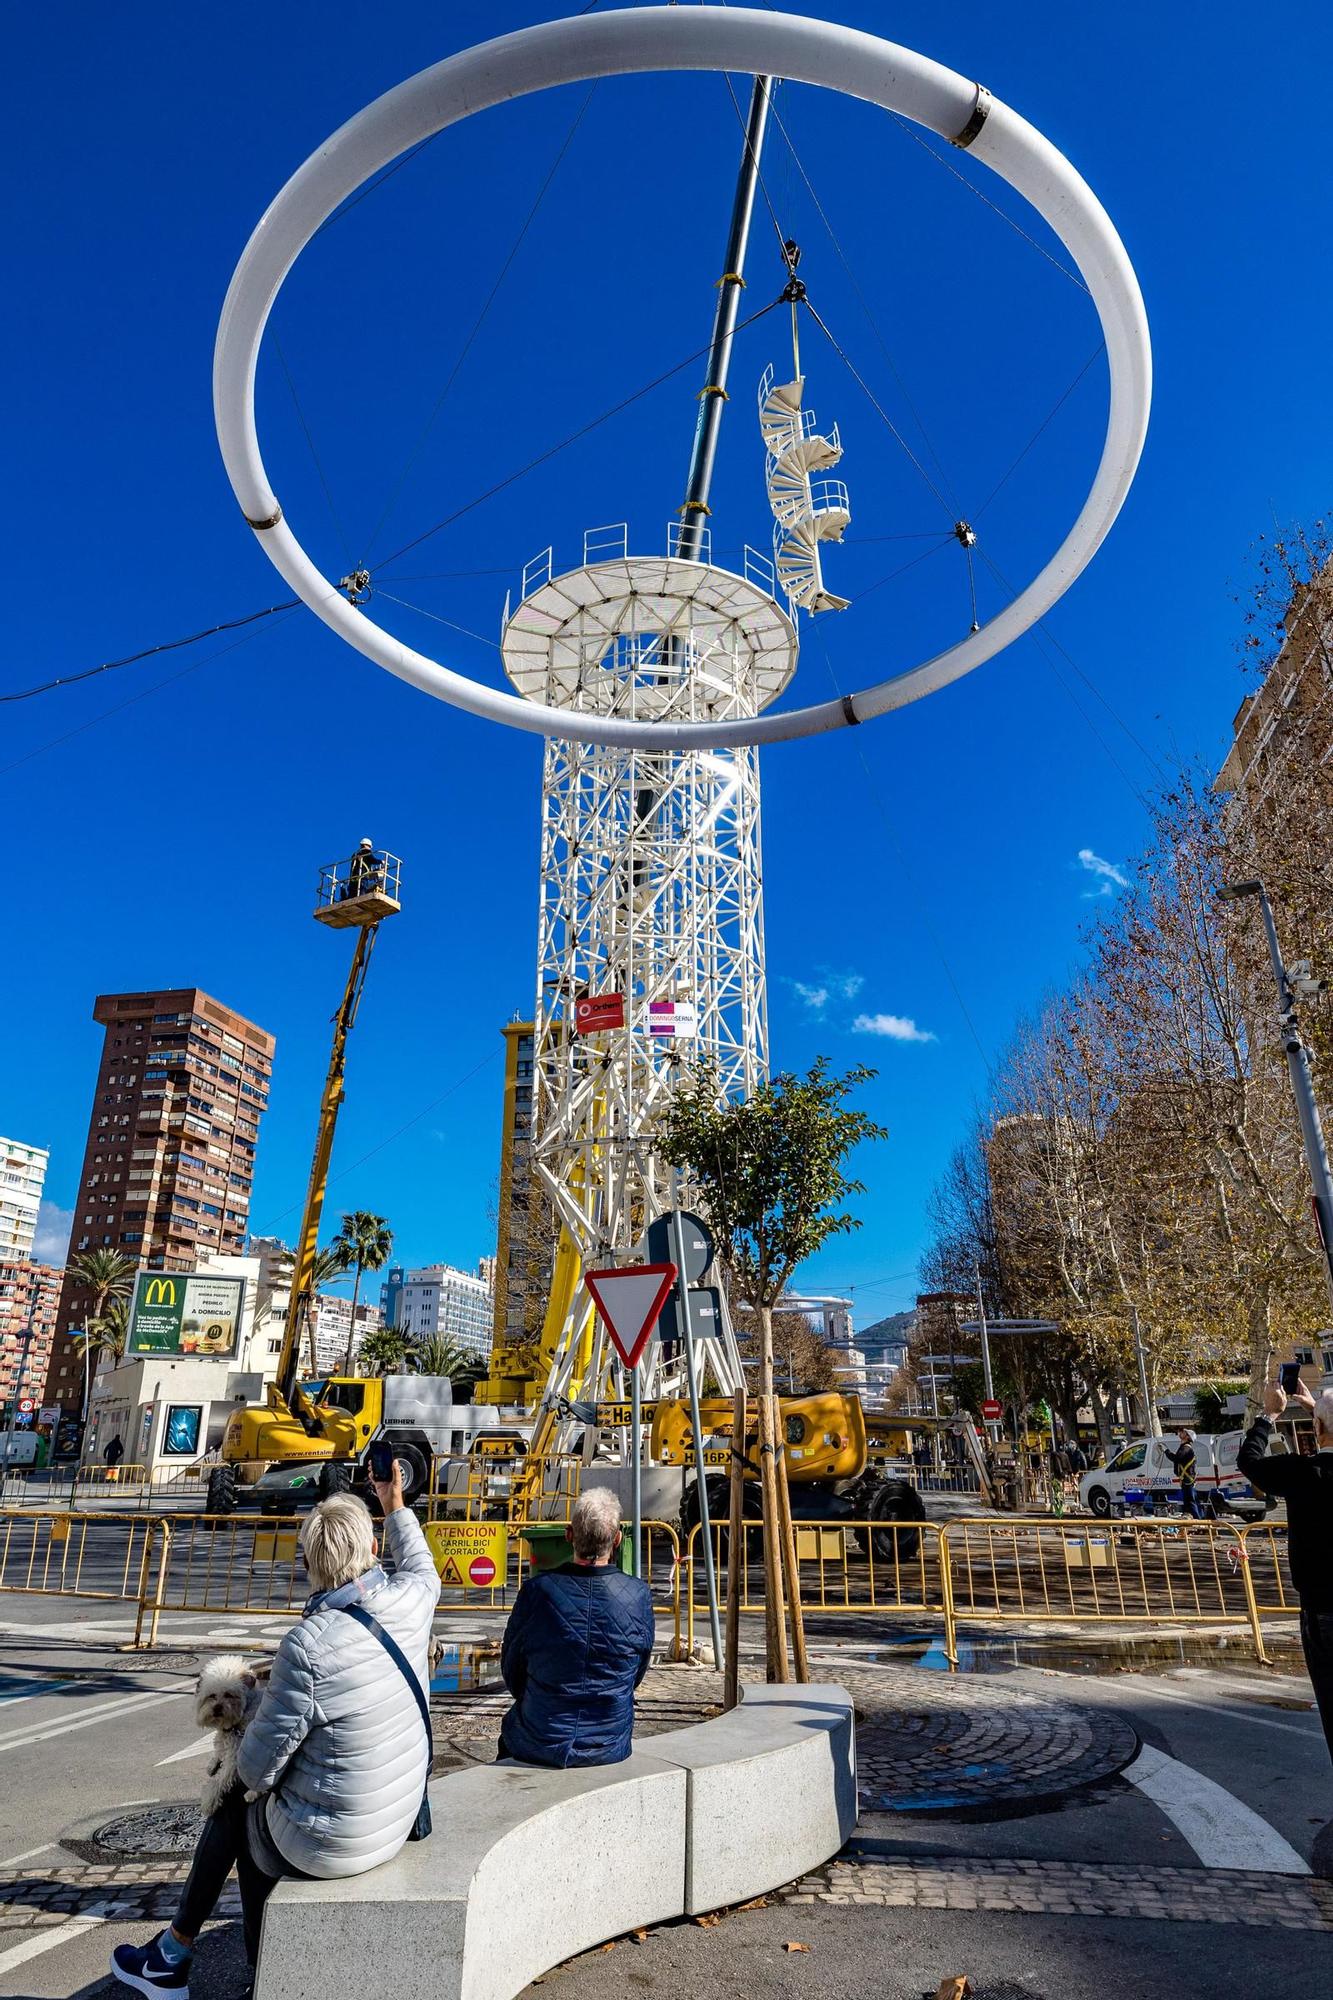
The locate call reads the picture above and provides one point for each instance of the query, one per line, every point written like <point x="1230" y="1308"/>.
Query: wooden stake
<point x="775" y="1623"/>
<point x="736" y="1555"/>
<point x="789" y="1549"/>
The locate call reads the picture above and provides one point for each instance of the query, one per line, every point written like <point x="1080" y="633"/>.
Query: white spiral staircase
<point x="806" y="510"/>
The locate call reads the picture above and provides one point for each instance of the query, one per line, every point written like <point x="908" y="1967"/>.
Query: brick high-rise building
<point x="169" y="1161"/>
<point x="28" y="1298"/>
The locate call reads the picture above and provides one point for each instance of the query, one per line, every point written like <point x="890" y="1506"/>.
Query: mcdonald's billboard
<point x="185" y="1312"/>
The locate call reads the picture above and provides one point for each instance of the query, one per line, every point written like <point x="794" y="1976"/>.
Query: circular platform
<point x="599" y="640"/>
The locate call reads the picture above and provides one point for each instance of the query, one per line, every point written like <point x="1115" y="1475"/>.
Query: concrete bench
<point x="527" y="1867"/>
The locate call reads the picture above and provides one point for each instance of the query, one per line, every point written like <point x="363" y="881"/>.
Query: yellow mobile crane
<point x="356" y="894"/>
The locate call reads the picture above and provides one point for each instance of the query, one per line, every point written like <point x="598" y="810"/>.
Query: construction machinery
<point x="829" y="1466"/>
<point x="294" y="1435"/>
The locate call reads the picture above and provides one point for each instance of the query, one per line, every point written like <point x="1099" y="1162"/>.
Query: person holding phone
<point x="332" y="1769"/>
<point x="1306" y="1484"/>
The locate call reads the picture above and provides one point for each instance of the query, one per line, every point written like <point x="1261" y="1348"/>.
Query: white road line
<point x="27" y="1854"/>
<point x="19" y="1739"/>
<point x="1239" y="1711"/>
<point x="40" y="1941"/>
<point x="1223" y="1832"/>
<point x="1282" y="1687"/>
<point x="198" y="1749"/>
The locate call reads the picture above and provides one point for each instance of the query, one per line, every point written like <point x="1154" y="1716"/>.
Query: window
<point x="1128" y="1460"/>
<point x="1305" y="1356"/>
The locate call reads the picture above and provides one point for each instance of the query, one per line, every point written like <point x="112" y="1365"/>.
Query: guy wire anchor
<point x="356" y="587"/>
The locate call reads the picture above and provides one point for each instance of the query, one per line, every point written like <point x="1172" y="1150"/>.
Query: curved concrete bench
<point x="528" y="1867"/>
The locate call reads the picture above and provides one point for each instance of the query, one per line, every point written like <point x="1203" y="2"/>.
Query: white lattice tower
<point x="650" y="873"/>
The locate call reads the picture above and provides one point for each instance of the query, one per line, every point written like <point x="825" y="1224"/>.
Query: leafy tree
<point x="440" y="1354"/>
<point x="768" y="1175"/>
<point x="382" y="1351"/>
<point x="365" y="1243"/>
<point x="803" y="1361"/>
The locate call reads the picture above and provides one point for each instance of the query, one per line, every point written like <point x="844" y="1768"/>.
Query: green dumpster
<point x="548" y="1547"/>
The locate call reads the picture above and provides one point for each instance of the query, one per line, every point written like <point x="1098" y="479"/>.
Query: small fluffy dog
<point x="229" y="1693"/>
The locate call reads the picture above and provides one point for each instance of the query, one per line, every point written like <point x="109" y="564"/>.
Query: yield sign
<point x="629" y="1301"/>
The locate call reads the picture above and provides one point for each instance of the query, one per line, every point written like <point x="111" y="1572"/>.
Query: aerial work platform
<point x="359" y="891"/>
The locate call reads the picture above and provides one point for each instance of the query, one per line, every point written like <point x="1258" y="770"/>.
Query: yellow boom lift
<point x="287" y="1429"/>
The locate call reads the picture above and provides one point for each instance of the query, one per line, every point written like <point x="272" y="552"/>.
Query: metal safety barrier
<point x="74" y="1555"/>
<point x="861" y="1567"/>
<point x="478" y="1487"/>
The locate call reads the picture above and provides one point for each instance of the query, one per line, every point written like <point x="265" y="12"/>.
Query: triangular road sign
<point x="451" y="1573"/>
<point x="629" y="1301"/>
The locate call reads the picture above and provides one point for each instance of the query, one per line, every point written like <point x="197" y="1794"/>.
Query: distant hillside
<point x="885" y="1332"/>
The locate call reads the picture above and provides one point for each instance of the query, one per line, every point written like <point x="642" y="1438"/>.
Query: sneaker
<point x="143" y="1967"/>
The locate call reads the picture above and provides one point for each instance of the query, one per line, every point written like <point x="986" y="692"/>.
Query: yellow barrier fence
<point x="868" y="1568"/>
<point x="74" y="1555"/>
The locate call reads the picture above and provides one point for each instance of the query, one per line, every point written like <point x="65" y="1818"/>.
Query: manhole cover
<point x="161" y="1833"/>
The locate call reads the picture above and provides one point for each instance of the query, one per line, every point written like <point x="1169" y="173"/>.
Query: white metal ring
<point x="682" y="38"/>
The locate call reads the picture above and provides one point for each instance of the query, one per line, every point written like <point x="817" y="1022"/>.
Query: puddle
<point x="462" y="1669"/>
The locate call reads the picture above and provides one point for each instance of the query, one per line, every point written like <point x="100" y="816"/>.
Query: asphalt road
<point x="1174" y="1881"/>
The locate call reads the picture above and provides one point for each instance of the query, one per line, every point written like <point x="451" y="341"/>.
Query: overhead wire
<point x="149" y="652"/>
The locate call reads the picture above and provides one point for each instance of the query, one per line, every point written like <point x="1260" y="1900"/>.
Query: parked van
<point x="1142" y="1468"/>
<point x="18" y="1448"/>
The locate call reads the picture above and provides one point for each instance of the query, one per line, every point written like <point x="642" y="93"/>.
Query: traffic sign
<point x="49" y="1413"/>
<point x="470" y="1555"/>
<point x="629" y="1301"/>
<point x="699" y="1246"/>
<point x="27" y="1404"/>
<point x="705" y="1314"/>
<point x="991" y="1410"/>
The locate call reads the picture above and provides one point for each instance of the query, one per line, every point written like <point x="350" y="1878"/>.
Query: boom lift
<point x="356" y="894"/>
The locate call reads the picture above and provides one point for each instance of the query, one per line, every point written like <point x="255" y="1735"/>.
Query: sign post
<point x="629" y="1301"/>
<point x="700" y="1482"/>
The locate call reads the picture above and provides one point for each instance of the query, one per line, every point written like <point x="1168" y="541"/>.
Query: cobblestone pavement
<point x="1070" y="1888"/>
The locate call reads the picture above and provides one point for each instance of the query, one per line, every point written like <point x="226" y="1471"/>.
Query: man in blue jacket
<point x="578" y="1642"/>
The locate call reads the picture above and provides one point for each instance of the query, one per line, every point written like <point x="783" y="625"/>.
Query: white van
<point x="1142" y="1468"/>
<point x="18" y="1449"/>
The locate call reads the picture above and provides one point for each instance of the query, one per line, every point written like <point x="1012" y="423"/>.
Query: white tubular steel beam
<point x="662" y="39"/>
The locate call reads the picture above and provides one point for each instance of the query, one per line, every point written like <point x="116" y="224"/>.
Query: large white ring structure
<point x="684" y="38"/>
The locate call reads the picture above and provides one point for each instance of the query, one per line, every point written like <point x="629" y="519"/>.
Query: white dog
<point x="229" y="1693"/>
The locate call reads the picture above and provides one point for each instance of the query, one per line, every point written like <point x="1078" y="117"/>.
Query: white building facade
<point x="22" y="1175"/>
<point x="443" y="1300"/>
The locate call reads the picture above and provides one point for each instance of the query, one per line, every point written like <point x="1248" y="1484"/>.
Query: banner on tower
<point x="673" y="1017"/>
<point x="598" y="1011"/>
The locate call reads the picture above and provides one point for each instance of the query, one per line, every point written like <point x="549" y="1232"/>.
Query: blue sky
<point x="927" y="876"/>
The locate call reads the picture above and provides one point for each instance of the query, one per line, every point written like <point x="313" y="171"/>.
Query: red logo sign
<point x="481" y="1571"/>
<point x="990" y="1410"/>
<point x="598" y="1011"/>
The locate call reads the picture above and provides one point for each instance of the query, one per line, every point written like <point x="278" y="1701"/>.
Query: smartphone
<point x="1289" y="1377"/>
<point x="381" y="1461"/>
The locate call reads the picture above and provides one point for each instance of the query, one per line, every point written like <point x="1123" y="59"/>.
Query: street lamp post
<point x="1295" y="983"/>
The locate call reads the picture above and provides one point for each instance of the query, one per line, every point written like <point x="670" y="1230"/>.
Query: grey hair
<point x="594" y="1524"/>
<point x="1323" y="1413"/>
<point x="338" y="1541"/>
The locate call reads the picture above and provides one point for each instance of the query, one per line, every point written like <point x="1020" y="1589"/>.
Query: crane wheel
<point x="221" y="1495"/>
<point x="335" y="1476"/>
<point x="891" y="1502"/>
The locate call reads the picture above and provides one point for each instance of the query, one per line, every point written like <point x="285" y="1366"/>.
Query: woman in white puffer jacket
<point x="337" y="1750"/>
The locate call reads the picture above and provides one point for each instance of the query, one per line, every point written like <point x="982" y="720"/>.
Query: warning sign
<point x="470" y="1555"/>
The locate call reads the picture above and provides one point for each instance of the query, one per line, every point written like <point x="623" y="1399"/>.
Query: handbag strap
<point x="399" y="1658"/>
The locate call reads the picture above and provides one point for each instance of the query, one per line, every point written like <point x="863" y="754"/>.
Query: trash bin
<point x="548" y="1547"/>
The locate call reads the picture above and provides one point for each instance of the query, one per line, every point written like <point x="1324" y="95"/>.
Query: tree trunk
<point x="789" y="1549"/>
<point x="775" y="1625"/>
<point x="351" y="1330"/>
<point x="1261" y="1352"/>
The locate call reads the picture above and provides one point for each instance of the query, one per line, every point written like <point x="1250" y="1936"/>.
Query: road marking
<point x="1223" y="1832"/>
<point x="1234" y="1687"/>
<point x="40" y="1941"/>
<point x="1239" y="1712"/>
<point x="31" y="1689"/>
<point x="190" y="1750"/>
<point x="19" y="1739"/>
<point x="27" y="1854"/>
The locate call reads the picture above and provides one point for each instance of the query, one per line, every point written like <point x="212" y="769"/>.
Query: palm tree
<point x="366" y="1241"/>
<point x="440" y="1354"/>
<point x="330" y="1264"/>
<point x="107" y="1275"/>
<point x="382" y="1351"/>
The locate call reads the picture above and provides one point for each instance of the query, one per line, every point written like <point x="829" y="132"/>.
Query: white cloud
<point x="51" y="1243"/>
<point x="893" y="1027"/>
<point x="816" y="993"/>
<point x="1109" y="878"/>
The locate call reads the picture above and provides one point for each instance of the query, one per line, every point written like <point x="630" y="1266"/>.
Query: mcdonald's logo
<point x="161" y="1292"/>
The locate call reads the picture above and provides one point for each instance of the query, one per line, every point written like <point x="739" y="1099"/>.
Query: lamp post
<point x="1296" y="983"/>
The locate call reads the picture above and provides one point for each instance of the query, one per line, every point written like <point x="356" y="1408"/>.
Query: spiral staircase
<point x="807" y="509"/>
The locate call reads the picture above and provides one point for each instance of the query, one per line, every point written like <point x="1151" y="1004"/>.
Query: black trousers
<point x="1317" y="1642"/>
<point x="234" y="1836"/>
